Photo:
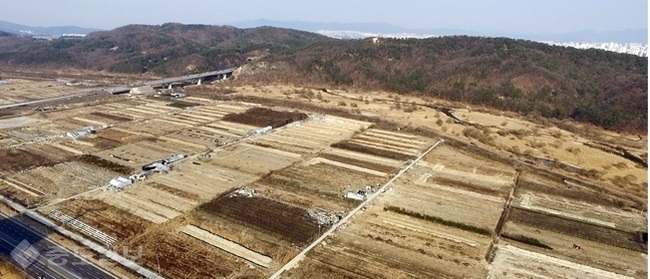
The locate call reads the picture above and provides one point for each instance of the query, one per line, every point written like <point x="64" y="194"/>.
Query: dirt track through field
<point x="227" y="245"/>
<point x="513" y="262"/>
<point x="302" y="254"/>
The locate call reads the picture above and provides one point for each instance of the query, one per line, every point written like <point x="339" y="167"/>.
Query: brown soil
<point x="105" y="217"/>
<point x="372" y="151"/>
<point x="575" y="228"/>
<point x="313" y="268"/>
<point x="174" y="191"/>
<point x="179" y="256"/>
<point x="360" y="163"/>
<point x="112" y="116"/>
<point x="102" y="143"/>
<point x="287" y="222"/>
<point x="21" y="197"/>
<point x="571" y="192"/>
<point x="325" y="178"/>
<point x="18" y="160"/>
<point x="262" y="117"/>
<point x="466" y="186"/>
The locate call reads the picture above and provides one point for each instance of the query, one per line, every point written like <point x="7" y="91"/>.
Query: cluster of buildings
<point x="163" y="166"/>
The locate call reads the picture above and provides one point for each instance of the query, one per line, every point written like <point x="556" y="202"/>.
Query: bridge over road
<point x="168" y="82"/>
<point x="161" y="83"/>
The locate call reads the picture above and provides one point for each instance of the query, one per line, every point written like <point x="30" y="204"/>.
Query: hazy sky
<point x="511" y="16"/>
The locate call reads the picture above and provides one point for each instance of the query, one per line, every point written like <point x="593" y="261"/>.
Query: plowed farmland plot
<point x="397" y="146"/>
<point x="65" y="179"/>
<point x="119" y="135"/>
<point x="286" y="222"/>
<point x="15" y="159"/>
<point x="253" y="159"/>
<point x="110" y="118"/>
<point x="268" y="244"/>
<point x="191" y="258"/>
<point x="383" y="244"/>
<point x="137" y="154"/>
<point x="109" y="219"/>
<point x="205" y="181"/>
<point x="151" y="203"/>
<point x="563" y="260"/>
<point x="304" y="198"/>
<point x="445" y="202"/>
<point x="152" y="126"/>
<point x="262" y="117"/>
<point x="323" y="179"/>
<point x="583" y="211"/>
<point x="593" y="232"/>
<point x="454" y="192"/>
<point x="312" y="135"/>
<point x="456" y="168"/>
<point x="578" y="202"/>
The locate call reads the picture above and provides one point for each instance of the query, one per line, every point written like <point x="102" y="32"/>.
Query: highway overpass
<point x="168" y="82"/>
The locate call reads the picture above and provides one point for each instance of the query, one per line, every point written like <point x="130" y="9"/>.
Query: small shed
<point x="358" y="195"/>
<point x="120" y="182"/>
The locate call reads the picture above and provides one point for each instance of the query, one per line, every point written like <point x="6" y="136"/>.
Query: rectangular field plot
<point x="109" y="118"/>
<point x="565" y="198"/>
<point x="444" y="202"/>
<point x="262" y="117"/>
<point x="281" y="220"/>
<point x="277" y="247"/>
<point x="564" y="258"/>
<point x="195" y="259"/>
<point x="227" y="245"/>
<point x="577" y="228"/>
<point x="213" y="135"/>
<point x="203" y="182"/>
<point x="17" y="192"/>
<point x="398" y="146"/>
<point x="37" y="132"/>
<point x="104" y="217"/>
<point x="65" y="179"/>
<point x="304" y="198"/>
<point x="327" y="180"/>
<point x="253" y="159"/>
<point x="31" y="156"/>
<point x="455" y="168"/>
<point x="381" y="244"/>
<point x="140" y="153"/>
<point x="119" y="135"/>
<point x="464" y="161"/>
<point x="152" y="126"/>
<point x="612" y="217"/>
<point x="85" y="145"/>
<point x="312" y="135"/>
<point x="150" y="201"/>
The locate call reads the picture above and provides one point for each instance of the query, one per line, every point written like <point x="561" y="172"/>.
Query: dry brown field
<point x="437" y="220"/>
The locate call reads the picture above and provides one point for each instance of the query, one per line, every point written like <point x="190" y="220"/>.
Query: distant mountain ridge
<point x="604" y="88"/>
<point x="37" y="31"/>
<point x="639" y="36"/>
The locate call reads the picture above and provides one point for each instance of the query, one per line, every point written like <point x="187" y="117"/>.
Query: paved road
<point x="48" y="259"/>
<point x="55" y="99"/>
<point x="302" y="254"/>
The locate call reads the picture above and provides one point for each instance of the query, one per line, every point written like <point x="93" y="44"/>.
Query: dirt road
<point x="302" y="254"/>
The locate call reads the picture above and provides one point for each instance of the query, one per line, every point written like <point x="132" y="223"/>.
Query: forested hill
<point x="604" y="88"/>
<point x="168" y="49"/>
